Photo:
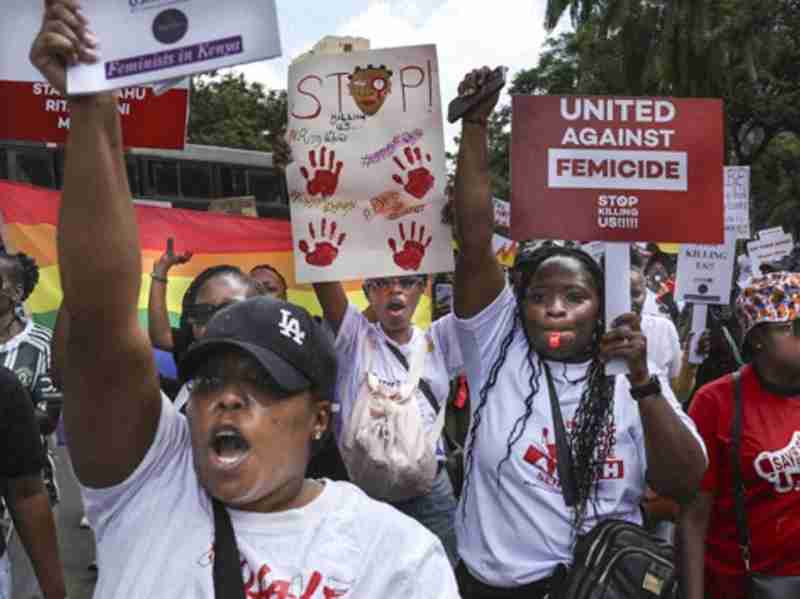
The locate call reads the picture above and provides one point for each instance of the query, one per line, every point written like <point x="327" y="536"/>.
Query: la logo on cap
<point x="290" y="327"/>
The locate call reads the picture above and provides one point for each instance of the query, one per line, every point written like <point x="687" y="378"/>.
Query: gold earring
<point x="317" y="436"/>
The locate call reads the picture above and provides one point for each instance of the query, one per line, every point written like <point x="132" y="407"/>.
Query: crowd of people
<point x="297" y="456"/>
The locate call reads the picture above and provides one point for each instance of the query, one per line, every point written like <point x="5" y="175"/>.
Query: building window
<point x="164" y="178"/>
<point x="134" y="178"/>
<point x="3" y="164"/>
<point x="196" y="181"/>
<point x="35" y="166"/>
<point x="265" y="187"/>
<point x="233" y="181"/>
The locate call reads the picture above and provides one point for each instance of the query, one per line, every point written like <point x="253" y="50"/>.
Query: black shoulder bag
<point x="227" y="572"/>
<point x="616" y="559"/>
<point x="760" y="586"/>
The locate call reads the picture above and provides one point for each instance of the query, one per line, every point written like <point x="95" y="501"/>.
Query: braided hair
<point x="592" y="437"/>
<point x="25" y="272"/>
<point x="185" y="336"/>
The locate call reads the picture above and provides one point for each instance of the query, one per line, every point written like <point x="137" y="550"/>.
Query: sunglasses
<point x="387" y="282"/>
<point x="200" y="314"/>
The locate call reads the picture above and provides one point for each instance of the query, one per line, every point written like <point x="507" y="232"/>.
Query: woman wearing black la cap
<point x="148" y="474"/>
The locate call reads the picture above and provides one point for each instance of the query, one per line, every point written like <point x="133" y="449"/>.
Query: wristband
<point x="158" y="278"/>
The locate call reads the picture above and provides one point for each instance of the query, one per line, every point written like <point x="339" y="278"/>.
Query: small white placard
<point x="737" y="201"/>
<point x="142" y="41"/>
<point x="705" y="272"/>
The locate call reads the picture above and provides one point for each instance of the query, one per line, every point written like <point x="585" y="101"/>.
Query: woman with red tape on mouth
<point x="513" y="525"/>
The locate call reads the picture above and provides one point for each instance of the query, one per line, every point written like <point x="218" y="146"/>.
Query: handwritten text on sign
<point x="367" y="185"/>
<point x="617" y="169"/>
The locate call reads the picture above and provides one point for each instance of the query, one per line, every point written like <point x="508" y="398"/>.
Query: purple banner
<point x="145" y="63"/>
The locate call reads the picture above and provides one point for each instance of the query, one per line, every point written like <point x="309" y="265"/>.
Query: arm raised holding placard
<point x="479" y="276"/>
<point x="110" y="374"/>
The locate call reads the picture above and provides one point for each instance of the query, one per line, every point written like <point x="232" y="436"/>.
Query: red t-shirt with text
<point x="770" y="462"/>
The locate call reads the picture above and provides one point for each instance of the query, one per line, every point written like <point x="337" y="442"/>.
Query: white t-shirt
<point x="441" y="365"/>
<point x="663" y="346"/>
<point x="516" y="533"/>
<point x="651" y="304"/>
<point x="155" y="531"/>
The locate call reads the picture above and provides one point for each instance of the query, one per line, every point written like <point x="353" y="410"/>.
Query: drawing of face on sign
<point x="369" y="87"/>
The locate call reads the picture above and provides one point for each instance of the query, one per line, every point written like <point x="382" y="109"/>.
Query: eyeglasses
<point x="387" y="282"/>
<point x="200" y="314"/>
<point x="249" y="387"/>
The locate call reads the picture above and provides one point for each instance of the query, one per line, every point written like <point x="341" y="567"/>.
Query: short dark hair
<point x="24" y="270"/>
<point x="273" y="270"/>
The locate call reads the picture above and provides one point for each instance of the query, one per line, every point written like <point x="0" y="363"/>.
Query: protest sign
<point x="705" y="273"/>
<point x="32" y="110"/>
<point x="502" y="213"/>
<point x="771" y="233"/>
<point x="737" y="201"/>
<point x="145" y="41"/>
<point x="367" y="185"/>
<point x="505" y="249"/>
<point x="771" y="246"/>
<point x="617" y="169"/>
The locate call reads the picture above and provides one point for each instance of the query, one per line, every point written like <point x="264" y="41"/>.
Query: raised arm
<point x="479" y="277"/>
<point x="333" y="300"/>
<point x="112" y="401"/>
<point x="158" y="325"/>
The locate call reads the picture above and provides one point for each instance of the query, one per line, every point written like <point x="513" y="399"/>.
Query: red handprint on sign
<point x="420" y="181"/>
<point x="410" y="257"/>
<point x="325" y="180"/>
<point x="324" y="252"/>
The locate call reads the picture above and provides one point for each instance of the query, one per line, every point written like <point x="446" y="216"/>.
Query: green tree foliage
<point x="228" y="111"/>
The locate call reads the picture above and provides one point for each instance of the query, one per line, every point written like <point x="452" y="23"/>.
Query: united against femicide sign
<point x="617" y="169"/>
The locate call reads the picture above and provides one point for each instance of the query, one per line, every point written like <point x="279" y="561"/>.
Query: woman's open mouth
<point x="228" y="447"/>
<point x="395" y="307"/>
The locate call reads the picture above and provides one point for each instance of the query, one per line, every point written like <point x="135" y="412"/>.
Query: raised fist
<point x="326" y="249"/>
<point x="413" y="251"/>
<point x="420" y="180"/>
<point x="325" y="181"/>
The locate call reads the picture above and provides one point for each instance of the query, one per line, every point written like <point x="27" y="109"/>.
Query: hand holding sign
<point x="64" y="40"/>
<point x="626" y="341"/>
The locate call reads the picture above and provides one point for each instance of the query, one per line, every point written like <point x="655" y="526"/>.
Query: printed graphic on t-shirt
<point x="266" y="583"/>
<point x="543" y="456"/>
<point x="781" y="467"/>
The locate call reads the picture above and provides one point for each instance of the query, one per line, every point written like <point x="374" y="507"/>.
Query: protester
<point x="512" y="523"/>
<point x="386" y="325"/>
<point x="768" y="457"/>
<point x="26" y="498"/>
<point x="262" y="380"/>
<point x="270" y="280"/>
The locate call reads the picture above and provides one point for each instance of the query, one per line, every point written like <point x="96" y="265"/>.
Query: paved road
<point x="76" y="544"/>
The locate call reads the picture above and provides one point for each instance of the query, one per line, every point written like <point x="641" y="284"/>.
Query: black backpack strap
<point x="227" y="572"/>
<point x="423" y="385"/>
<point x="566" y="473"/>
<point x="742" y="530"/>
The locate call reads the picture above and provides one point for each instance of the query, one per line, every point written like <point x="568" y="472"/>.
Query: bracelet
<point x="158" y="278"/>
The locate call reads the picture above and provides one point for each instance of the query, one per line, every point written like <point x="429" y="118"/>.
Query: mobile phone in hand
<point x="463" y="104"/>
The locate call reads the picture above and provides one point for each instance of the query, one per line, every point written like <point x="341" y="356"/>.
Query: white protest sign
<point x="705" y="272"/>
<point x="142" y="41"/>
<point x="770" y="248"/>
<point x="771" y="233"/>
<point x="502" y="213"/>
<point x="367" y="185"/>
<point x="505" y="249"/>
<point x="699" y="319"/>
<point x="737" y="201"/>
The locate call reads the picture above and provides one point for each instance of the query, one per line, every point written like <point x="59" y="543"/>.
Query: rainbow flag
<point x="30" y="215"/>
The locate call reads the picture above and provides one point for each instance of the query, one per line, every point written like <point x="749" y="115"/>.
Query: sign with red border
<point x="617" y="169"/>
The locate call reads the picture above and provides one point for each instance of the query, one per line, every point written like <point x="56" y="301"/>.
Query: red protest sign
<point x="35" y="111"/>
<point x="617" y="169"/>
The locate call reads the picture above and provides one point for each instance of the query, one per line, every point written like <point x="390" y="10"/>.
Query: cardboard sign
<point x="32" y="110"/>
<point x="142" y="41"/>
<point x="737" y="201"/>
<point x="367" y="185"/>
<point x="705" y="273"/>
<point x="617" y="169"/>
<point x="771" y="248"/>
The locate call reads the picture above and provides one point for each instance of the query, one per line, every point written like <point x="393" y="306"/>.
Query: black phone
<point x="170" y="246"/>
<point x="463" y="104"/>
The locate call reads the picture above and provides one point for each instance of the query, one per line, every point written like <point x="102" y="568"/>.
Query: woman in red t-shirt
<point x="769" y="452"/>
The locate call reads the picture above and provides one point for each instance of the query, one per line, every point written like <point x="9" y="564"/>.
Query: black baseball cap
<point x="284" y="338"/>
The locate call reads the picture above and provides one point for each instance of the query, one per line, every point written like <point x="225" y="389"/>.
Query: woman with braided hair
<point x="513" y="524"/>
